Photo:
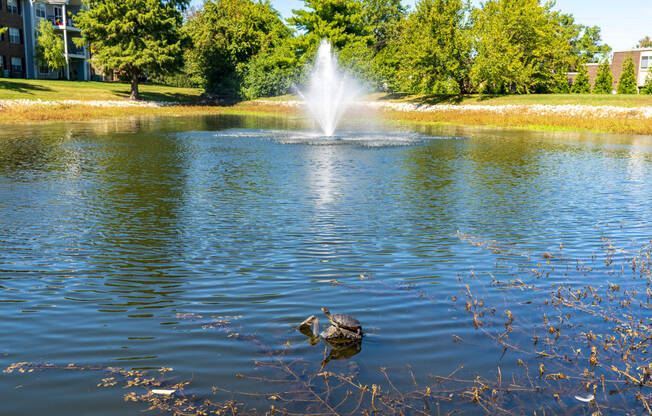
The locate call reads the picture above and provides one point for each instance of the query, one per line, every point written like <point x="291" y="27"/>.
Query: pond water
<point x="198" y="244"/>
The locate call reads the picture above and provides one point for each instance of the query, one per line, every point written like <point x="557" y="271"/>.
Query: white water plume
<point x="330" y="91"/>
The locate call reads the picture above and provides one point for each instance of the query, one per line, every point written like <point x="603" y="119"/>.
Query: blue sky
<point x="622" y="22"/>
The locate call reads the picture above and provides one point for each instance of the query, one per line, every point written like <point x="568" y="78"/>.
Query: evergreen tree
<point x="582" y="85"/>
<point x="340" y="21"/>
<point x="50" y="50"/>
<point x="561" y="84"/>
<point x="647" y="88"/>
<point x="627" y="82"/>
<point x="136" y="38"/>
<point x="435" y="49"/>
<point x="604" y="80"/>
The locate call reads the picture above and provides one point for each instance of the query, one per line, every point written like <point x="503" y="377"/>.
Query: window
<point x="40" y="10"/>
<point x="12" y="6"/>
<point x="14" y="35"/>
<point x="16" y="65"/>
<point x="58" y="15"/>
<point x="645" y="62"/>
<point x="2" y="62"/>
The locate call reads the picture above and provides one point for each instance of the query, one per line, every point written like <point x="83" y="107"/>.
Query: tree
<point x="520" y="46"/>
<point x="50" y="50"/>
<point x="561" y="83"/>
<point x="646" y="42"/>
<point x="227" y="36"/>
<point x="604" y="80"/>
<point x="435" y="49"/>
<point x="383" y="17"/>
<point x="340" y="21"/>
<point x="271" y="73"/>
<point x="589" y="47"/>
<point x="627" y="82"/>
<point x="136" y="38"/>
<point x="582" y="85"/>
<point x="647" y="88"/>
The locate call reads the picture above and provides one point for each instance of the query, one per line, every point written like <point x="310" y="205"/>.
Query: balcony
<point x="74" y="50"/>
<point x="61" y="22"/>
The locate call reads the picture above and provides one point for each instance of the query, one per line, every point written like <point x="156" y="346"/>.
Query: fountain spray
<point x="330" y="91"/>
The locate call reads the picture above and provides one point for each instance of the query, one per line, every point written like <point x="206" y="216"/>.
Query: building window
<point x="14" y="35"/>
<point x="40" y="11"/>
<point x="16" y="65"/>
<point x="58" y="16"/>
<point x="2" y="62"/>
<point x="12" y="6"/>
<point x="645" y="62"/>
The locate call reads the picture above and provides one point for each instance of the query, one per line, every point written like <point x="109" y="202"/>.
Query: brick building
<point x="13" y="43"/>
<point x="642" y="65"/>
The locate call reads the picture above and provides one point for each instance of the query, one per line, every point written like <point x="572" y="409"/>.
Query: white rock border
<point x="568" y="110"/>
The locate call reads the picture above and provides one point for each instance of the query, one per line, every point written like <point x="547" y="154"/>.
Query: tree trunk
<point x="134" y="87"/>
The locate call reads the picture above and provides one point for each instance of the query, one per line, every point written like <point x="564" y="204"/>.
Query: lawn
<point x="31" y="89"/>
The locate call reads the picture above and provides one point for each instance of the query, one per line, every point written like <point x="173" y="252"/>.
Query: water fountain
<point x="330" y="92"/>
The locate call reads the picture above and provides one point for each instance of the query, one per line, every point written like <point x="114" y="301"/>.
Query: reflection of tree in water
<point x="136" y="205"/>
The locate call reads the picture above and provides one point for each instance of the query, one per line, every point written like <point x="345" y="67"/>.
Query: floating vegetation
<point x="568" y="349"/>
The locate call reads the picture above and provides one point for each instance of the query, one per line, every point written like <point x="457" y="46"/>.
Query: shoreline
<point x="547" y="117"/>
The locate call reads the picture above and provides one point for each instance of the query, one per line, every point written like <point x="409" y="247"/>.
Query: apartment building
<point x="18" y="45"/>
<point x="14" y="53"/>
<point x="60" y="13"/>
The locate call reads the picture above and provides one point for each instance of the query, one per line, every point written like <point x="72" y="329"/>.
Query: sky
<point x="623" y="22"/>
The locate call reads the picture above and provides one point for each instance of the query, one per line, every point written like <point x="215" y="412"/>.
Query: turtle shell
<point x="345" y="321"/>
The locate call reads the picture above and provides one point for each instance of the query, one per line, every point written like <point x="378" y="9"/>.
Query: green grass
<point x="30" y="89"/>
<point x="525" y="99"/>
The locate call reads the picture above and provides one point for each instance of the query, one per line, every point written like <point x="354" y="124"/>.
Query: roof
<point x="636" y="50"/>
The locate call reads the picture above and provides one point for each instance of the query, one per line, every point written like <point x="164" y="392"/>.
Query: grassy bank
<point x="33" y="89"/>
<point x="45" y="90"/>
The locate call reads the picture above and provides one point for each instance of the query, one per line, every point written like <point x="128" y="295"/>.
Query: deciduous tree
<point x="136" y="38"/>
<point x="646" y="42"/>
<point x="227" y="35"/>
<point x="520" y="46"/>
<point x="50" y="50"/>
<point x="435" y="49"/>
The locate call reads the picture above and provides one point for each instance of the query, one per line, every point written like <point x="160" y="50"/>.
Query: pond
<point x="148" y="253"/>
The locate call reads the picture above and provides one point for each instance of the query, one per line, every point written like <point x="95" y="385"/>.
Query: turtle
<point x="345" y="323"/>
